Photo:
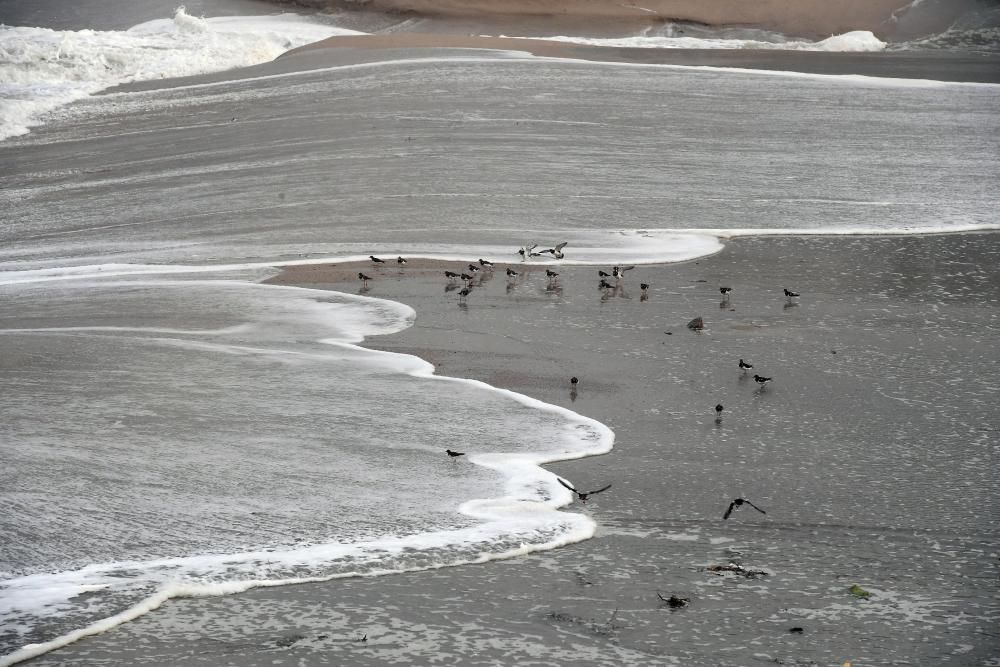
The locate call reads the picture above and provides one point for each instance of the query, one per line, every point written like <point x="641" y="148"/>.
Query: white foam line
<point x="519" y="56"/>
<point x="487" y="510"/>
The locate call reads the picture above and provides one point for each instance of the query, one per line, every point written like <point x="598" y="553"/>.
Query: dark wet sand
<point x="867" y="470"/>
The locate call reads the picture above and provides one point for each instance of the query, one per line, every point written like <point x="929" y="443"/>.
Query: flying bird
<point x="583" y="495"/>
<point x="737" y="503"/>
<point x="454" y="455"/>
<point x="376" y="260"/>
<point x="555" y="252"/>
<point x="526" y="250"/>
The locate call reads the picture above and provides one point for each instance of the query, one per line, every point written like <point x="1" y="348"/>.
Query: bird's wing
<point x="730" y="510"/>
<point x="566" y="485"/>
<point x="561" y="246"/>
<point x="627" y="268"/>
<point x="531" y="247"/>
<point x="755" y="507"/>
<point x="599" y="490"/>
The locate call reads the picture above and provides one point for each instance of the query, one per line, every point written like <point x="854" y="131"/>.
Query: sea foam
<point x="42" y="69"/>
<point x="858" y="40"/>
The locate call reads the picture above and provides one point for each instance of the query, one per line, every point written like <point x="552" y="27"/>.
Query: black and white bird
<point x="473" y="268"/>
<point x="486" y="264"/>
<point x="619" y="271"/>
<point x="450" y="275"/>
<point x="400" y="261"/>
<point x="790" y="294"/>
<point x="739" y="502"/>
<point x="363" y="278"/>
<point x="511" y="273"/>
<point x="574" y="381"/>
<point x="605" y="285"/>
<point x="644" y="286"/>
<point x="551" y="274"/>
<point x="454" y="455"/>
<point x="603" y="274"/>
<point x="555" y="252"/>
<point x="724" y="291"/>
<point x="526" y="250"/>
<point x="464" y="292"/>
<point x="718" y="409"/>
<point x="466" y="277"/>
<point x="376" y="260"/>
<point x="581" y="494"/>
<point x="744" y="366"/>
<point x="761" y="380"/>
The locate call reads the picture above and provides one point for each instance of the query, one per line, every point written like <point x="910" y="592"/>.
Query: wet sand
<point x="870" y="473"/>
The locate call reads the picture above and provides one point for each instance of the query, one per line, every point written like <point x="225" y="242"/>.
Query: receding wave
<point x="240" y="438"/>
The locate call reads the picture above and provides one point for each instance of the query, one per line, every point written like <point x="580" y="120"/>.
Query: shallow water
<point x="144" y="386"/>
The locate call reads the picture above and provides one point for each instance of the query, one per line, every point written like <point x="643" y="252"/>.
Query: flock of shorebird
<point x="468" y="276"/>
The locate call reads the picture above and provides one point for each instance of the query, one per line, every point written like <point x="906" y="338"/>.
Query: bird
<point x="363" y="278"/>
<point x="466" y="277"/>
<point x="603" y="274"/>
<point x="790" y="294"/>
<point x="619" y="271"/>
<point x="738" y="502"/>
<point x="583" y="495"/>
<point x="760" y="379"/>
<point x="450" y="275"/>
<point x="486" y="264"/>
<point x="644" y="286"/>
<point x="744" y="366"/>
<point x="674" y="601"/>
<point x="465" y="291"/>
<point x="526" y="250"/>
<point x="606" y="285"/>
<point x="511" y="273"/>
<point x="719" y="409"/>
<point x="574" y="381"/>
<point x="551" y="274"/>
<point x="400" y="261"/>
<point x="454" y="455"/>
<point x="362" y="639"/>
<point x="376" y="260"/>
<point x="473" y="268"/>
<point x="724" y="291"/>
<point x="555" y="252"/>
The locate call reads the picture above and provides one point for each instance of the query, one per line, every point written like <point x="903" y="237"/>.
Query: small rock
<point x="696" y="324"/>
<point x="859" y="592"/>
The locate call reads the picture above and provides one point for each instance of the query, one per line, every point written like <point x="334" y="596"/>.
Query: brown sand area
<point x="803" y="17"/>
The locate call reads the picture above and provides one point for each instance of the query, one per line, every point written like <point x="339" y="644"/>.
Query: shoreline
<point x="659" y="526"/>
<point x="942" y="66"/>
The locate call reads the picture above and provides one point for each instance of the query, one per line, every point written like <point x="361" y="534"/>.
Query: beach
<point x="223" y="446"/>
<point x="849" y="404"/>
